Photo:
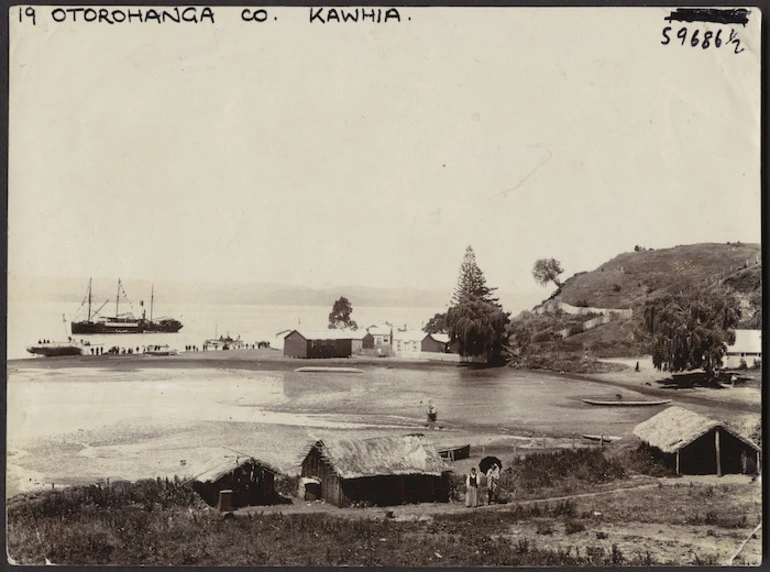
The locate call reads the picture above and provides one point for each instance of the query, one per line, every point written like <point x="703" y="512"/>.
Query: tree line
<point x="686" y="331"/>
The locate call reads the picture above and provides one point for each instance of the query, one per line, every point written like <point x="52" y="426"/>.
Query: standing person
<point x="493" y="477"/>
<point x="472" y="489"/>
<point x="432" y="413"/>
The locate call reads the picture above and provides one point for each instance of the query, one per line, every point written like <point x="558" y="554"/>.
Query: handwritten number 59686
<point x="706" y="39"/>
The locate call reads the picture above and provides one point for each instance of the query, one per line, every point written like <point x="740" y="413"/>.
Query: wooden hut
<point x="380" y="471"/>
<point x="251" y="481"/>
<point x="361" y="340"/>
<point x="435" y="343"/>
<point x="329" y="343"/>
<point x="697" y="445"/>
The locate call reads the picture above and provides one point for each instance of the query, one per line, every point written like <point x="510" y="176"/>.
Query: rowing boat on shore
<point x="322" y="369"/>
<point x="455" y="453"/>
<point x="602" y="438"/>
<point x="627" y="402"/>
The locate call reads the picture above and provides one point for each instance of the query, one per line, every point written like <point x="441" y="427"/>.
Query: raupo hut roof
<point x="356" y="458"/>
<point x="213" y="474"/>
<point x="677" y="427"/>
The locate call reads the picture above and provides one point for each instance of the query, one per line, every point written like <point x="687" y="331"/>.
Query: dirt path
<point x="622" y="530"/>
<point x="408" y="512"/>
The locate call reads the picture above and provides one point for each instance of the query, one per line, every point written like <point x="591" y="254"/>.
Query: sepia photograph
<point x="384" y="286"/>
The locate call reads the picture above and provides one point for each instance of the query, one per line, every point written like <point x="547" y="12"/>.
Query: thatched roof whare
<point x="214" y="474"/>
<point x="356" y="458"/>
<point x="676" y="427"/>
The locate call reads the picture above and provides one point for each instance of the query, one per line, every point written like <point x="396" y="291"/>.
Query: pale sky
<point x="373" y="154"/>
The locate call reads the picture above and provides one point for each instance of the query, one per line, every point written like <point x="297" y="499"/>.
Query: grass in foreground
<point x="161" y="522"/>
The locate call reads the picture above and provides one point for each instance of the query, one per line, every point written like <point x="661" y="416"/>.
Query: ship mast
<point x="89" y="299"/>
<point x="117" y="300"/>
<point x="152" y="299"/>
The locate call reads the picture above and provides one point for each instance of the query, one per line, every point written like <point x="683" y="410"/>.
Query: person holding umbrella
<point x="493" y="477"/>
<point x="490" y="467"/>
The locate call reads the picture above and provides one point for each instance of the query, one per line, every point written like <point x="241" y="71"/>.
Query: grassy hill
<point x="628" y="281"/>
<point x="630" y="278"/>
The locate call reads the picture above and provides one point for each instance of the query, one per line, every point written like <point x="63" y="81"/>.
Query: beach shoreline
<point x="254" y="401"/>
<point x="647" y="381"/>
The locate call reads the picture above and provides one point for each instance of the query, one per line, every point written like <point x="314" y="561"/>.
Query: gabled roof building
<point x="696" y="444"/>
<point x="250" y="480"/>
<point x="379" y="471"/>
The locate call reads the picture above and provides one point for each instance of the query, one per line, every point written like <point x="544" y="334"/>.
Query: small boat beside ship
<point x="164" y="350"/>
<point x="53" y="349"/>
<point x="125" y="323"/>
<point x="224" y="343"/>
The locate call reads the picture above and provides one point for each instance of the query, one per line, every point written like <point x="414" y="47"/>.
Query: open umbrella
<point x="486" y="463"/>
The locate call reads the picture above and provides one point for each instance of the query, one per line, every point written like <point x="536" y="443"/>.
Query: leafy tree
<point x="479" y="327"/>
<point x="691" y="330"/>
<point x="475" y="321"/>
<point x="520" y="331"/>
<point x="339" y="317"/>
<point x="471" y="284"/>
<point x="437" y="324"/>
<point x="547" y="270"/>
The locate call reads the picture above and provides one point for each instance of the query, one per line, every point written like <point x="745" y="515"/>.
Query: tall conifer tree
<point x="471" y="284"/>
<point x="476" y="322"/>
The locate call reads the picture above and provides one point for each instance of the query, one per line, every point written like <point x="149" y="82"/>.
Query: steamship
<point x="125" y="323"/>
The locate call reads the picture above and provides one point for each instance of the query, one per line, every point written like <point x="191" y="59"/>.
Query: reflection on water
<point x="46" y="402"/>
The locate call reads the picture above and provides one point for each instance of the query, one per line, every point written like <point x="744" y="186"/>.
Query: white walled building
<point x="747" y="349"/>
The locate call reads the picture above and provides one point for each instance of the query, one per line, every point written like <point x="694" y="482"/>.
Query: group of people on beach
<point x="476" y="482"/>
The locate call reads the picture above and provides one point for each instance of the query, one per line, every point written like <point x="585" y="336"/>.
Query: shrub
<point x="539" y="470"/>
<point x="564" y="508"/>
<point x="456" y="487"/>
<point x="646" y="460"/>
<point x="544" y="336"/>
<point x="286" y="485"/>
<point x="573" y="526"/>
<point x="707" y="560"/>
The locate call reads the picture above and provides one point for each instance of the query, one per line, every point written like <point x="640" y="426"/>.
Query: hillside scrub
<point x="535" y="342"/>
<point x="655" y="272"/>
<point x="634" y="280"/>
